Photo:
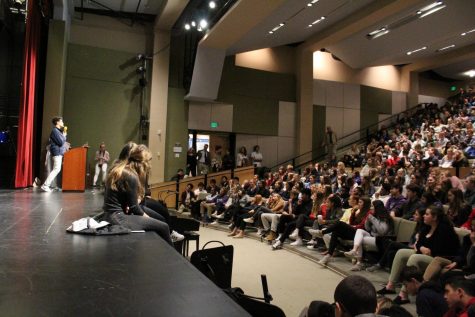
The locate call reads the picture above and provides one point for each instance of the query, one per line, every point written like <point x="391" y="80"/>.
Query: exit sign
<point x="453" y="88"/>
<point x="214" y="125"/>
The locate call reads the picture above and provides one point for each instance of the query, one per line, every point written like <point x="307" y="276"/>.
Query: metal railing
<point x="347" y="140"/>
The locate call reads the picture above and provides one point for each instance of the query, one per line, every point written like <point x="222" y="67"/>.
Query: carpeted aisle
<point x="293" y="280"/>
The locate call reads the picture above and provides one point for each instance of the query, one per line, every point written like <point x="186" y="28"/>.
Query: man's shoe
<point x="373" y="268"/>
<point x="297" y="242"/>
<point x="294" y="235"/>
<point x="248" y="220"/>
<point x="220" y="216"/>
<point x="325" y="260"/>
<point x="175" y="236"/>
<point x="312" y="247"/>
<point x="277" y="245"/>
<point x="399" y="301"/>
<point x="385" y="291"/>
<point x="46" y="188"/>
<point x="214" y="223"/>
<point x="312" y="242"/>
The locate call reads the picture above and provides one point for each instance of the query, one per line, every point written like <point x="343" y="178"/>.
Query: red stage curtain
<point x="24" y="159"/>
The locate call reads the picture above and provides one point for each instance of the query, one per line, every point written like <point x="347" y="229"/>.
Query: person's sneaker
<point x="175" y="236"/>
<point x="357" y="267"/>
<point x="312" y="247"/>
<point x="325" y="260"/>
<point x="385" y="291"/>
<point x="220" y="216"/>
<point x="248" y="220"/>
<point x="277" y="245"/>
<point x="350" y="254"/>
<point x="294" y="235"/>
<point x="214" y="214"/>
<point x="312" y="242"/>
<point x="373" y="268"/>
<point x="398" y="300"/>
<point x="231" y="225"/>
<point x="297" y="242"/>
<point x="46" y="188"/>
<point x="214" y="222"/>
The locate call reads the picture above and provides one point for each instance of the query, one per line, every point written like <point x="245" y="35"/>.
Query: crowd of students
<point x="406" y="171"/>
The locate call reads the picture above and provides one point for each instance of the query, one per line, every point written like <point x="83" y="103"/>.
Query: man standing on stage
<point x="57" y="142"/>
<point x="102" y="158"/>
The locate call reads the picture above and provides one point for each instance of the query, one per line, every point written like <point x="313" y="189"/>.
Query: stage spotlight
<point x="187" y="26"/>
<point x="203" y="23"/>
<point x="193" y="23"/>
<point x="212" y="4"/>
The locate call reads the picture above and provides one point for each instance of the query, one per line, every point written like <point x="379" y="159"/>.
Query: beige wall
<point x="278" y="59"/>
<point x="327" y="68"/>
<point x="106" y="32"/>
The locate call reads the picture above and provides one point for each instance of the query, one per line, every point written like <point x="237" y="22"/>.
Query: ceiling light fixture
<point x="418" y="50"/>
<point x="212" y="4"/>
<point x="431" y="8"/>
<point x="377" y="33"/>
<point x="203" y="23"/>
<point x="312" y="3"/>
<point x="445" y="48"/>
<point x="468" y="32"/>
<point x="187" y="26"/>
<point x="193" y="23"/>
<point x="317" y="21"/>
<point x="276" y="28"/>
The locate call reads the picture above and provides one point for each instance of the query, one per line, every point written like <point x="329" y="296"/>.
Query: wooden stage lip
<point x="48" y="272"/>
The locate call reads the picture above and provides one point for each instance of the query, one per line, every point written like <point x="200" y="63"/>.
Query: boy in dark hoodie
<point x="430" y="300"/>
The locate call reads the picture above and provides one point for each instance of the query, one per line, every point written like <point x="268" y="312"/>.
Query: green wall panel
<point x="374" y="101"/>
<point x="255" y="95"/>
<point x="102" y="98"/>
<point x="318" y="129"/>
<point x="177" y="131"/>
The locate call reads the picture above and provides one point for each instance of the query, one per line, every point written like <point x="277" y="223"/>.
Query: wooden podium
<point x="74" y="169"/>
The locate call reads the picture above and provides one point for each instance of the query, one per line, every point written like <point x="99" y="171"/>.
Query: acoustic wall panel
<point x="222" y="114"/>
<point x="268" y="147"/>
<point x="285" y="149"/>
<point x="351" y="123"/>
<point x="287" y="118"/>
<point x="351" y="96"/>
<point x="399" y="102"/>
<point x="199" y="116"/>
<point x="334" y="94"/>
<point x="334" y="119"/>
<point x="319" y="92"/>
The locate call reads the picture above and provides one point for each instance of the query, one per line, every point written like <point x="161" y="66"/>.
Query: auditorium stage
<point x="47" y="272"/>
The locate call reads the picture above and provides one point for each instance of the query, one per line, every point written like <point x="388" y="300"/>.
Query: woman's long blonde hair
<point x="137" y="164"/>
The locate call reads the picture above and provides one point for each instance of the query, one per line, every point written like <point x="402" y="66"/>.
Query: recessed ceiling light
<point x="187" y="26"/>
<point x="417" y="50"/>
<point x="203" y="23"/>
<point x="470" y="73"/>
<point x="377" y="33"/>
<point x="277" y="27"/>
<point x="468" y="32"/>
<point x="431" y="8"/>
<point x="212" y="4"/>
<point x="445" y="48"/>
<point x="318" y="20"/>
<point x="312" y="3"/>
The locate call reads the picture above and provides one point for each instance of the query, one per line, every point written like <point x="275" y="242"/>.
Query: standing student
<point x="102" y="159"/>
<point x="57" y="142"/>
<point x="204" y="160"/>
<point x="330" y="142"/>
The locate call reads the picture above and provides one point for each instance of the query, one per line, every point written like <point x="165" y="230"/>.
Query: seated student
<point x="187" y="199"/>
<point x="438" y="238"/>
<point x="180" y="174"/>
<point x="380" y="223"/>
<point x="458" y="211"/>
<point x="346" y="231"/>
<point x="413" y="193"/>
<point x="200" y="196"/>
<point x="302" y="210"/>
<point x="274" y="218"/>
<point x="460" y="297"/>
<point x="124" y="186"/>
<point x="333" y="214"/>
<point x="355" y="296"/>
<point x="430" y="300"/>
<point x="155" y="209"/>
<point x="239" y="223"/>
<point x="274" y="205"/>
